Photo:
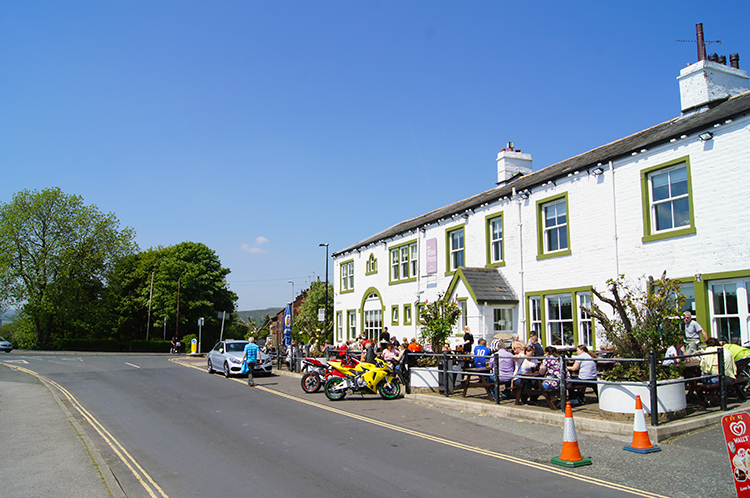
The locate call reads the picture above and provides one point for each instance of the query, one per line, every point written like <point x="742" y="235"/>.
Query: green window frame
<point x="407" y="314"/>
<point x="347" y="276"/>
<point x="371" y="266"/>
<point x="495" y="236"/>
<point x="553" y="227"/>
<point x="667" y="197"/>
<point x="547" y="312"/>
<point x="394" y="314"/>
<point x="455" y="249"/>
<point x="403" y="262"/>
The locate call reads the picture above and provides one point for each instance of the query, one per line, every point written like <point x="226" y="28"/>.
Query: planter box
<point x="620" y="399"/>
<point x="425" y="378"/>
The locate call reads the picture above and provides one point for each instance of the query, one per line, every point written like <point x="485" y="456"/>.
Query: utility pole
<point x="177" y="325"/>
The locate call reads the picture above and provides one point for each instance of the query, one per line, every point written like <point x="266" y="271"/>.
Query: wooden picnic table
<point x="483" y="380"/>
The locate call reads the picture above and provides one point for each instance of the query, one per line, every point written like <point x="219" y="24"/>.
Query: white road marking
<point x="131" y="365"/>
<point x="16" y="361"/>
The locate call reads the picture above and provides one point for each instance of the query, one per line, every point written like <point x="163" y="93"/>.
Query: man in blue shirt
<point x="252" y="354"/>
<point x="481" y="352"/>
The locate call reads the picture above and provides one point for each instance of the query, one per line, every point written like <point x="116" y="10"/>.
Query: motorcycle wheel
<point x="333" y="390"/>
<point x="389" y="391"/>
<point x="310" y="382"/>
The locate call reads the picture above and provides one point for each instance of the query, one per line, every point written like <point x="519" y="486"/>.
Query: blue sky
<point x="264" y="128"/>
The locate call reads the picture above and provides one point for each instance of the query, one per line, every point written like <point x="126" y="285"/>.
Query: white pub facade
<point x="523" y="256"/>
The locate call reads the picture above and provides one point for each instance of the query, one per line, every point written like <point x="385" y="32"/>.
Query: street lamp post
<point x="325" y="304"/>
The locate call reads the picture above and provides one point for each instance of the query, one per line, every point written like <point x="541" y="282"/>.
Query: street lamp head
<point x="321" y="245"/>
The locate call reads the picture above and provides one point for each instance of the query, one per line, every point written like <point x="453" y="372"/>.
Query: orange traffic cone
<point x="570" y="455"/>
<point x="641" y="443"/>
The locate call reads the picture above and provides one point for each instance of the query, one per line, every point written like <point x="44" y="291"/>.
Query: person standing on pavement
<point x="694" y="334"/>
<point x="252" y="354"/>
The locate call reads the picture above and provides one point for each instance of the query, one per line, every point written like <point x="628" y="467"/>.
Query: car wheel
<point x="310" y="383"/>
<point x="335" y="388"/>
<point x="226" y="369"/>
<point x="209" y="367"/>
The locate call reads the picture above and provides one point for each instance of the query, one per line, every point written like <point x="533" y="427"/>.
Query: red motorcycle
<point x="318" y="371"/>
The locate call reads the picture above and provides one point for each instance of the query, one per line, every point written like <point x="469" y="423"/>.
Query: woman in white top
<point x="586" y="371"/>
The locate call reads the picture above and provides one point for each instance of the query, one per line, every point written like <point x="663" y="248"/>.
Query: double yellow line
<point x="153" y="489"/>
<point x="474" y="449"/>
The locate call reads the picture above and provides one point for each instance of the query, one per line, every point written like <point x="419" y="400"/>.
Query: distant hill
<point x="7" y="317"/>
<point x="258" y="315"/>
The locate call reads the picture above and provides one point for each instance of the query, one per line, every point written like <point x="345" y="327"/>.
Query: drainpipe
<point x="614" y="218"/>
<point x="522" y="301"/>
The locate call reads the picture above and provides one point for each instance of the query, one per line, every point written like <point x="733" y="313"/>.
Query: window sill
<point x="566" y="252"/>
<point x="669" y="234"/>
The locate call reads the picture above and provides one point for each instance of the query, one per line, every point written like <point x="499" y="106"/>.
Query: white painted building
<point x="524" y="255"/>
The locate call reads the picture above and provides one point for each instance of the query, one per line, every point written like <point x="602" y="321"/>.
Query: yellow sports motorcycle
<point x="378" y="377"/>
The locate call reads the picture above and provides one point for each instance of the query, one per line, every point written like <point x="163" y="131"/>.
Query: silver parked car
<point x="226" y="357"/>
<point x="5" y="345"/>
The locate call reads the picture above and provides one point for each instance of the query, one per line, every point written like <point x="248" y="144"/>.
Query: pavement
<point x="50" y="454"/>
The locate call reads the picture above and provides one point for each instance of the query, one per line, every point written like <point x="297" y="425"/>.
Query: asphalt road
<point x="194" y="434"/>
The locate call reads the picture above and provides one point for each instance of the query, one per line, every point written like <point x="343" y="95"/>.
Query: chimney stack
<point x="511" y="162"/>
<point x="710" y="79"/>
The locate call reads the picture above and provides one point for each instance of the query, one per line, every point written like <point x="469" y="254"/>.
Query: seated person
<point x="551" y="369"/>
<point x="710" y="362"/>
<point x="390" y="354"/>
<point x="368" y="355"/>
<point x="506" y="366"/>
<point x="674" y="351"/>
<point x="414" y="346"/>
<point x="534" y="341"/>
<point x="586" y="371"/>
<point x="481" y="351"/>
<point x="525" y="365"/>
<point x="738" y="352"/>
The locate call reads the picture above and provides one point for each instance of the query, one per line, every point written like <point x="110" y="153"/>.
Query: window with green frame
<point x="667" y="200"/>
<point x="371" y="266"/>
<point x="347" y="276"/>
<point x="454" y="239"/>
<point x="556" y="317"/>
<point x="553" y="228"/>
<point x="407" y="314"/>
<point x="403" y="262"/>
<point x="394" y="314"/>
<point x="495" y="240"/>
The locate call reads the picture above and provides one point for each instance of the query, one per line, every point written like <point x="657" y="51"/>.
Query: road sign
<point x="737" y="435"/>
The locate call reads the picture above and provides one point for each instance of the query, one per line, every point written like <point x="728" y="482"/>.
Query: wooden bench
<point x="482" y="380"/>
<point x="536" y="390"/>
<point x="708" y="394"/>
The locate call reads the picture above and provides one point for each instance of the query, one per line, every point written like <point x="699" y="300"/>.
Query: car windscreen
<point x="236" y="347"/>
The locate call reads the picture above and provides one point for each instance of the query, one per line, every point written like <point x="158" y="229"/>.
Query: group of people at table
<point x="517" y="361"/>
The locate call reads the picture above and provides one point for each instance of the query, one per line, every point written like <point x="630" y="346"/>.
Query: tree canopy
<point x="191" y="267"/>
<point x="55" y="256"/>
<point x="306" y="317"/>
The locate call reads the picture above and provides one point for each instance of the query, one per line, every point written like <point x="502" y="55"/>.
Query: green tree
<point x="306" y="316"/>
<point x="437" y="319"/>
<point x="55" y="254"/>
<point x="203" y="292"/>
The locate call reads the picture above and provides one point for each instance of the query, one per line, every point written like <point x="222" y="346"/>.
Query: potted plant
<point x="645" y="318"/>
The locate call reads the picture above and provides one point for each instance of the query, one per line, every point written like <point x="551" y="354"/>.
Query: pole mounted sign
<point x="737" y="435"/>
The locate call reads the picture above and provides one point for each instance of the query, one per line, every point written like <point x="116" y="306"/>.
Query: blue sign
<point x="288" y="325"/>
